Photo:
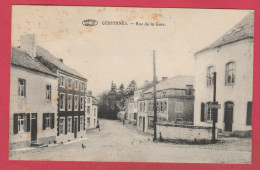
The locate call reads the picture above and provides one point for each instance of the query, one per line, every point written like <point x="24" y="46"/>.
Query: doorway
<point x="75" y="127"/>
<point x="228" y="116"/>
<point x="34" y="127"/>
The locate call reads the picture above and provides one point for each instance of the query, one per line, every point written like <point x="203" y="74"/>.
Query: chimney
<point x="60" y="59"/>
<point x="189" y="89"/>
<point x="90" y="92"/>
<point x="28" y="44"/>
<point x="164" y="78"/>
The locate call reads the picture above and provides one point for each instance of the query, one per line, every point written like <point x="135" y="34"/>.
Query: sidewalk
<point x="49" y="145"/>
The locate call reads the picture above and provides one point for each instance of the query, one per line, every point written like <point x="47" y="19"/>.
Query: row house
<point x="137" y="95"/>
<point x="91" y="111"/>
<point x="129" y="109"/>
<point x="231" y="57"/>
<point x="71" y="119"/>
<point x="33" y="98"/>
<point x="175" y="103"/>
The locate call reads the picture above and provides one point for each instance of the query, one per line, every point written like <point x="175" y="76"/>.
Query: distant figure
<point x="123" y="121"/>
<point x="83" y="146"/>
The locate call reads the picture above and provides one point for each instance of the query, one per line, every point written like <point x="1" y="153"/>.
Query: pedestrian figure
<point x="123" y="121"/>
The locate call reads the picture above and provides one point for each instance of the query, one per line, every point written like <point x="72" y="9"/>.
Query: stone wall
<point x="188" y="133"/>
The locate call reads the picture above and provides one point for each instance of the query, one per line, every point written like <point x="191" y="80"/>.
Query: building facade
<point x="231" y="57"/>
<point x="175" y="103"/>
<point x="71" y="118"/>
<point x="33" y="99"/>
<point x="91" y="111"/>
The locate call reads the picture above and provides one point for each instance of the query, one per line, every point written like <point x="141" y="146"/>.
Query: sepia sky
<point x="121" y="53"/>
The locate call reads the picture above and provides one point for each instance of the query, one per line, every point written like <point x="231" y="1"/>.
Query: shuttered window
<point x="249" y="113"/>
<point x="21" y="123"/>
<point x="48" y="121"/>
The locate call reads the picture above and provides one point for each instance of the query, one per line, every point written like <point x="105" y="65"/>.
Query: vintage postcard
<point x="131" y="84"/>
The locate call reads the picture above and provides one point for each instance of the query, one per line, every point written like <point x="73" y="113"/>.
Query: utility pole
<point x="154" y="97"/>
<point x="214" y="110"/>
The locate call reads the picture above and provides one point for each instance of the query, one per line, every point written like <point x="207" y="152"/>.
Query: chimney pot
<point x="164" y="78"/>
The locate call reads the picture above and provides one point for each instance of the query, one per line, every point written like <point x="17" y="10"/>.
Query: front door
<point x="75" y="127"/>
<point x="143" y="123"/>
<point x="34" y="127"/>
<point x="228" y="117"/>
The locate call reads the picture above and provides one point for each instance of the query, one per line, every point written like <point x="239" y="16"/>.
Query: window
<point x="62" y="101"/>
<point x="165" y="106"/>
<point x="249" y="113"/>
<point x="76" y="103"/>
<point x="95" y="111"/>
<point x="21" y="123"/>
<point x="82" y="103"/>
<point x="69" y="100"/>
<point x="230" y="73"/>
<point x="88" y="100"/>
<point x="88" y="122"/>
<point x="210" y="72"/>
<point x="150" y="122"/>
<point x="76" y="85"/>
<point x="161" y="107"/>
<point x="48" y="121"/>
<point x="209" y="112"/>
<point x="21" y="87"/>
<point x="82" y="87"/>
<point x="144" y="107"/>
<point x="69" y="127"/>
<point x="62" y="81"/>
<point x="179" y="107"/>
<point x="48" y="92"/>
<point x="88" y="110"/>
<point x="69" y="83"/>
<point x="62" y="125"/>
<point x="82" y="123"/>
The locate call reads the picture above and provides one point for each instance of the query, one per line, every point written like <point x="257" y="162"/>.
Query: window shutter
<point x="28" y="120"/>
<point x="15" y="128"/>
<point x="216" y="115"/>
<point x="44" y="121"/>
<point x="78" y="123"/>
<point x="25" y="122"/>
<point x="73" y="124"/>
<point x="24" y="88"/>
<point x="66" y="125"/>
<point x="52" y="120"/>
<point x="202" y="112"/>
<point x="84" y="124"/>
<point x="249" y="114"/>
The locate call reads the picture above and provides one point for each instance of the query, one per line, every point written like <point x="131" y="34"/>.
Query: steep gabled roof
<point x="53" y="60"/>
<point x="21" y="58"/>
<point x="243" y="30"/>
<point x="177" y="82"/>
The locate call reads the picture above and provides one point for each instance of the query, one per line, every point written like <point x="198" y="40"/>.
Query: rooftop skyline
<point x="123" y="53"/>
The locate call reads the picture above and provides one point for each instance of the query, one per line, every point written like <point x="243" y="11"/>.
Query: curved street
<point x="117" y="142"/>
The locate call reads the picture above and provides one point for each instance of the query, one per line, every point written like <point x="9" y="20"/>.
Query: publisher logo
<point x="89" y="22"/>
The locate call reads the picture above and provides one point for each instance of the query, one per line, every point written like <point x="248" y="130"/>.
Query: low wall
<point x="184" y="133"/>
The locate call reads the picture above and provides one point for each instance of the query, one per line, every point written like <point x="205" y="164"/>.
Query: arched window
<point x="210" y="71"/>
<point x="230" y="72"/>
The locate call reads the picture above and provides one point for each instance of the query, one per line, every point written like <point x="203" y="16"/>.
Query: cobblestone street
<point x="118" y="142"/>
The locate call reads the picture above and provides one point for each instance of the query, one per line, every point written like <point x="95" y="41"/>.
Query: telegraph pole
<point x="214" y="109"/>
<point x="154" y="97"/>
